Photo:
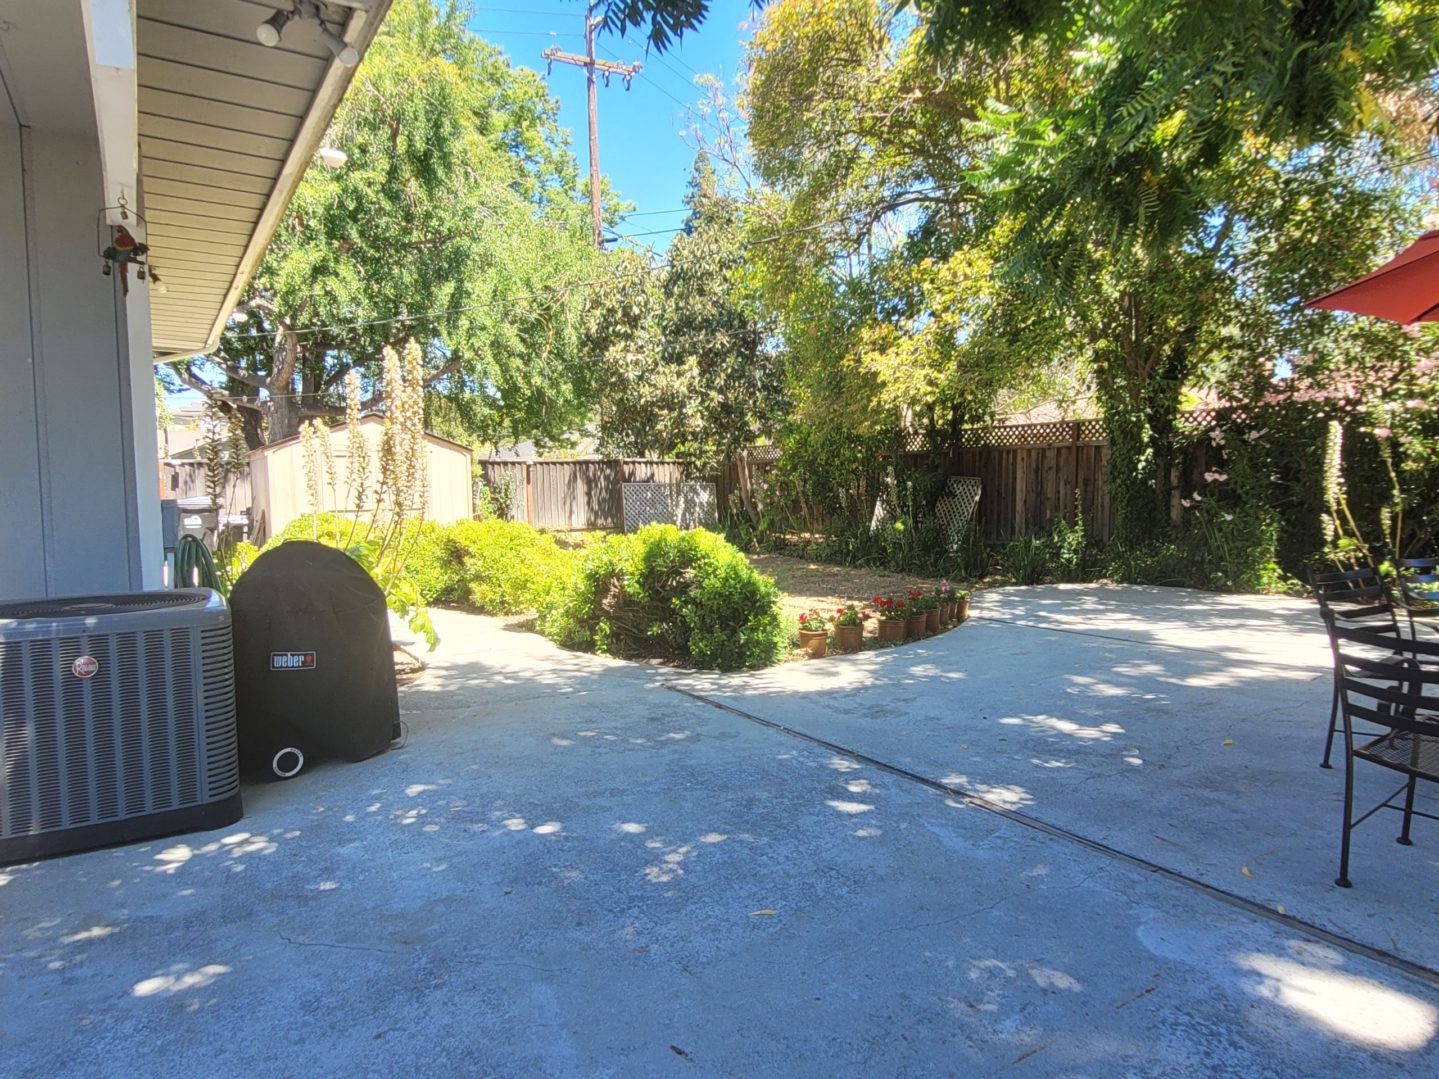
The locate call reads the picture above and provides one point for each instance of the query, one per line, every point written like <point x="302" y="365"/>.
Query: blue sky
<point x="641" y="148"/>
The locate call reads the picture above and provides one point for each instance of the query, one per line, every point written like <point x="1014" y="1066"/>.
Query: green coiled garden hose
<point x="193" y="565"/>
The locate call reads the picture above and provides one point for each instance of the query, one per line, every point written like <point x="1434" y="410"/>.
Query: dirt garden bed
<point x="807" y="584"/>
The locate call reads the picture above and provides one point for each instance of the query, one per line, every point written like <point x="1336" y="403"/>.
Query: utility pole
<point x="606" y="68"/>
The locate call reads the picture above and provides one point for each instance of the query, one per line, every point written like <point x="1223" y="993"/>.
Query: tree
<point x="864" y="146"/>
<point x="456" y="220"/>
<point x="1129" y="204"/>
<point x="687" y="371"/>
<point x="1134" y="186"/>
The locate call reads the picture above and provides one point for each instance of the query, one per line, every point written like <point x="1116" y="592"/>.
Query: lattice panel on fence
<point x="648" y="503"/>
<point x="696" y="505"/>
<point x="688" y="505"/>
<point x="956" y="509"/>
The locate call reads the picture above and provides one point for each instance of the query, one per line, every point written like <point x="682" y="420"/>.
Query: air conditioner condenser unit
<point x="117" y="720"/>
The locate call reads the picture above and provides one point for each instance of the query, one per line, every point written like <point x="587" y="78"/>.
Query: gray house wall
<point x="77" y="513"/>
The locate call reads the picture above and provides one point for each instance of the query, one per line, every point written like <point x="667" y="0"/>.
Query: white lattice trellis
<point x="956" y="509"/>
<point x="696" y="505"/>
<point x="688" y="505"/>
<point x="648" y="503"/>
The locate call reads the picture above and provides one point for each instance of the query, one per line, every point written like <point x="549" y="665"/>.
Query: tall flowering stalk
<point x="318" y="453"/>
<point x="400" y="491"/>
<point x="224" y="454"/>
<point x="357" y="464"/>
<point x="386" y="479"/>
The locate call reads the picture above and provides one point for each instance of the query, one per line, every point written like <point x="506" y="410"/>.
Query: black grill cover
<point x="314" y="668"/>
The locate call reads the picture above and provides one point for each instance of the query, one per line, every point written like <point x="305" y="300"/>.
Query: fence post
<point x="1074" y="502"/>
<point x="619" y="499"/>
<point x="529" y="493"/>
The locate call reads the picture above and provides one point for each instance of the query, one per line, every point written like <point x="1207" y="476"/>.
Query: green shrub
<point x="331" y="529"/>
<point x="507" y="566"/>
<point x="1146" y="563"/>
<point x="668" y="594"/>
<point x="435" y="561"/>
<point x="1027" y="559"/>
<point x="497" y="567"/>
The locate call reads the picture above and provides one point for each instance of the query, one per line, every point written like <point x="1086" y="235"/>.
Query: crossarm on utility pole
<point x="591" y="65"/>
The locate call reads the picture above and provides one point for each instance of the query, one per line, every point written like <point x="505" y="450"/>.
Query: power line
<point x="529" y="33"/>
<point x="650" y="232"/>
<point x="657" y="86"/>
<point x="710" y="335"/>
<point x="564" y="289"/>
<point x="680" y="60"/>
<point x="665" y="64"/>
<point x="527" y="11"/>
<point x="555" y="289"/>
<point x="659" y="60"/>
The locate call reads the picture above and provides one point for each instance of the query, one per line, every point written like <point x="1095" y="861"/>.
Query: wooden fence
<point x="1030" y="475"/>
<point x="186" y="479"/>
<point x="573" y="495"/>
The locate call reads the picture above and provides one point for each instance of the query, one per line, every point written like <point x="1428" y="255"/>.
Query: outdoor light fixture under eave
<point x="268" y="32"/>
<point x="332" y="157"/>
<point x="345" y="54"/>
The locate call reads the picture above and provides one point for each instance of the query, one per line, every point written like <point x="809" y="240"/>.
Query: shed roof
<point x="368" y="420"/>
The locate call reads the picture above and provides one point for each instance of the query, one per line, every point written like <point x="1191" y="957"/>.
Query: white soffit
<point x="227" y="127"/>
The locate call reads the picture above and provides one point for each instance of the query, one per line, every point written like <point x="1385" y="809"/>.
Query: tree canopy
<point x="456" y="220"/>
<point x="685" y="369"/>
<point x="1147" y="188"/>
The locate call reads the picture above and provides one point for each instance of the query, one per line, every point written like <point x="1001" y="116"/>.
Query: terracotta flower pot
<point x="848" y="638"/>
<point x="814" y="641"/>
<point x="951" y="612"/>
<point x="914" y="625"/>
<point x="931" y="620"/>
<point x="891" y="629"/>
<point x="963" y="609"/>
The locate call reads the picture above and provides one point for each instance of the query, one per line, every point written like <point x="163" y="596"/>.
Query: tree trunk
<point x="1140" y="383"/>
<point x="282" y="410"/>
<point x="282" y="418"/>
<point x="746" y="490"/>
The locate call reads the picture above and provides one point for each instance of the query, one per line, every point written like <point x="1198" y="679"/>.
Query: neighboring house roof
<point x="371" y="420"/>
<point x="227" y="129"/>
<point x="583" y="449"/>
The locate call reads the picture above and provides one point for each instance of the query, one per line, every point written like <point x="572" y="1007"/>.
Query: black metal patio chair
<point x="1356" y="598"/>
<point x="1402" y="702"/>
<point x="1418" y="589"/>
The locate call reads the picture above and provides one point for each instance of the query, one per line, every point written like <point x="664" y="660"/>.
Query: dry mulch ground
<point x="824" y="587"/>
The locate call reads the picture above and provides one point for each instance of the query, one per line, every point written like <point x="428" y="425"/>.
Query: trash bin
<point x="314" y="666"/>
<point x="198" y="518"/>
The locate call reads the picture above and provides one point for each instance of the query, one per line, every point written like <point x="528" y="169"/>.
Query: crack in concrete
<point x="410" y="951"/>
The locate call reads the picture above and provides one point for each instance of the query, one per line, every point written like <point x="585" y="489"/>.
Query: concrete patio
<point x="1083" y="834"/>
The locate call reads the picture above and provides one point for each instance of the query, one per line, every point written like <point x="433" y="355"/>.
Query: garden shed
<point x="279" y="488"/>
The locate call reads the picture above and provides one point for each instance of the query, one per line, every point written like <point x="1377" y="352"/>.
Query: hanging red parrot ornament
<point x="124" y="249"/>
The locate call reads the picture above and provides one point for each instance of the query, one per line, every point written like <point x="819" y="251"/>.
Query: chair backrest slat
<point x="1351" y="596"/>
<point x="1375" y="637"/>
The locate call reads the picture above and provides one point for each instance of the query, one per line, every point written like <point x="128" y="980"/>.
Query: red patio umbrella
<point x="1405" y="289"/>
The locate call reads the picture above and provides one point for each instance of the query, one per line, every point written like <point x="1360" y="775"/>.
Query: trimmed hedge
<point x="659" y="593"/>
<point x="664" y="593"/>
<point x="507" y="566"/>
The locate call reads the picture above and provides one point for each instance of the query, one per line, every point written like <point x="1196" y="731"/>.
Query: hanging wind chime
<point x="119" y="250"/>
